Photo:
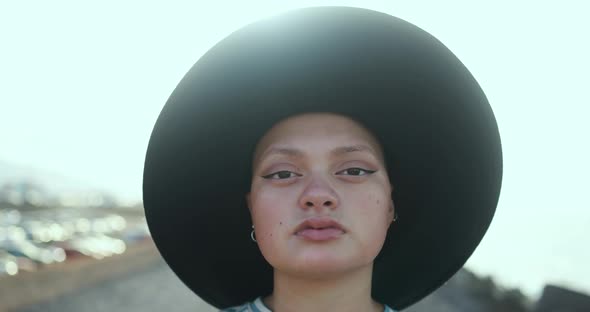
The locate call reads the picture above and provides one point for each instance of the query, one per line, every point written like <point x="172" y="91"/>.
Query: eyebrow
<point x="351" y="149"/>
<point x="339" y="151"/>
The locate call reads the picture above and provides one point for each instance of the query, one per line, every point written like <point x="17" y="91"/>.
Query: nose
<point x="318" y="195"/>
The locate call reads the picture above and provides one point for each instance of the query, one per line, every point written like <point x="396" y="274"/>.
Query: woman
<point x="328" y="159"/>
<point x="320" y="201"/>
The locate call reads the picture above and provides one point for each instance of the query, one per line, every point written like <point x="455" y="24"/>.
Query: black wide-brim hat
<point x="438" y="132"/>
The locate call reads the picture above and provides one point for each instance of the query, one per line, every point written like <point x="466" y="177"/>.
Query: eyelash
<point x="270" y="176"/>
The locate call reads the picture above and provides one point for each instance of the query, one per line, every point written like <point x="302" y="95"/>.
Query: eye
<point x="281" y="175"/>
<point x="356" y="172"/>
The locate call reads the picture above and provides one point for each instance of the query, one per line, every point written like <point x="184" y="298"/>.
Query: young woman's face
<point x="320" y="197"/>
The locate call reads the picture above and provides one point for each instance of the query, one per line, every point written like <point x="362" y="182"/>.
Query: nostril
<point x="327" y="203"/>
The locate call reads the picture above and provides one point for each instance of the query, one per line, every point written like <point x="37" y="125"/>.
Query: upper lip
<point x="319" y="223"/>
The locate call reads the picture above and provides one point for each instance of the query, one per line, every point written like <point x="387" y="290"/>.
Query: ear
<point x="248" y="202"/>
<point x="391" y="214"/>
<point x="392" y="207"/>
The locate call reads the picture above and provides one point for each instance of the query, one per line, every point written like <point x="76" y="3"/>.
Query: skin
<point x="320" y="165"/>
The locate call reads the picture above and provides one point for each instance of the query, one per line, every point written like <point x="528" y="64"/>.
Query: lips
<point x="319" y="229"/>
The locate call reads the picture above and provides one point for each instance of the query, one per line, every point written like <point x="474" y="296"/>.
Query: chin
<point x="319" y="265"/>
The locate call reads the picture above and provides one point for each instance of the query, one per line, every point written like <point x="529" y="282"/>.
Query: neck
<point x="350" y="291"/>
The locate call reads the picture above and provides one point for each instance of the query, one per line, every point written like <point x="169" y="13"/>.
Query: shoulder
<point x="388" y="309"/>
<point x="258" y="306"/>
<point x="254" y="306"/>
<point x="241" y="308"/>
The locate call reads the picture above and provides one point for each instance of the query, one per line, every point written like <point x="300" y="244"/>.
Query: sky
<point x="82" y="83"/>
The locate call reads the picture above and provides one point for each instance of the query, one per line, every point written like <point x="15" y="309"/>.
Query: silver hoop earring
<point x="395" y="216"/>
<point x="252" y="234"/>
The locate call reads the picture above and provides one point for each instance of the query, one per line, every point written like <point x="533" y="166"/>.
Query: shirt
<point x="258" y="306"/>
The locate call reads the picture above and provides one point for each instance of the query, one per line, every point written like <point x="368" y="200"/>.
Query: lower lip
<point x="320" y="234"/>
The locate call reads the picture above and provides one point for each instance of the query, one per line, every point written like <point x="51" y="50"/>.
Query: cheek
<point x="268" y="211"/>
<point x="268" y="215"/>
<point x="373" y="215"/>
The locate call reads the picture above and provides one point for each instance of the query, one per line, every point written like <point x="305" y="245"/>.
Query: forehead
<point x="306" y="129"/>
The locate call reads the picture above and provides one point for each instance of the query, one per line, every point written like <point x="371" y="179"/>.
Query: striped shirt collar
<point x="258" y="306"/>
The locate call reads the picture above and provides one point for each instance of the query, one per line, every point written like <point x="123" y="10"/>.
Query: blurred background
<point x="82" y="83"/>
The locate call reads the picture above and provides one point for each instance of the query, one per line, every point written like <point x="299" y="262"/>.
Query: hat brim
<point x="438" y="132"/>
